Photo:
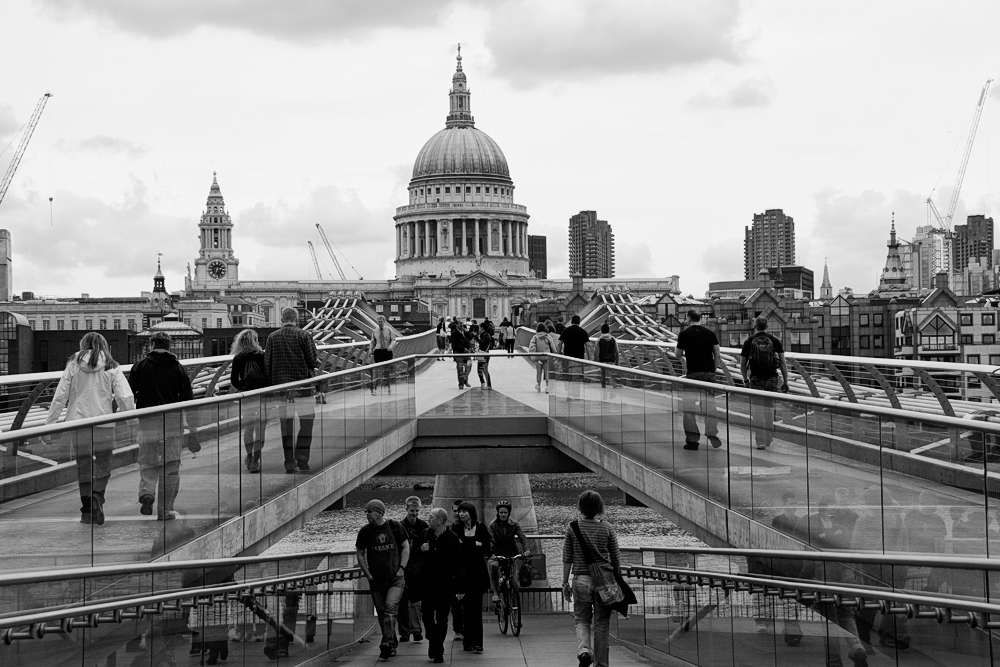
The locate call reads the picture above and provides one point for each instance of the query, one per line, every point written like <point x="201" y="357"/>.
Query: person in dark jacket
<point x="475" y="540"/>
<point x="442" y="578"/>
<point x="159" y="379"/>
<point x="249" y="372"/>
<point x="460" y="345"/>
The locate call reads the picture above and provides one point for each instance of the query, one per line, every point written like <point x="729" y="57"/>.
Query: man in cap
<point x="383" y="554"/>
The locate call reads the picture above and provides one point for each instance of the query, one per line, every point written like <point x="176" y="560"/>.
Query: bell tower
<point x="216" y="265"/>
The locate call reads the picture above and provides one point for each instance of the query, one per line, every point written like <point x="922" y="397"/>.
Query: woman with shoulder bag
<point x="91" y="381"/>
<point x="460" y="345"/>
<point x="248" y="373"/>
<point x="382" y="345"/>
<point x="590" y="541"/>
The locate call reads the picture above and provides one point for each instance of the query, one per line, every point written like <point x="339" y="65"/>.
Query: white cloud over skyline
<point x="675" y="121"/>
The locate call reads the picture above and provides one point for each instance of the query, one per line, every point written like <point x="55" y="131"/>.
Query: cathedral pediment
<point x="479" y="280"/>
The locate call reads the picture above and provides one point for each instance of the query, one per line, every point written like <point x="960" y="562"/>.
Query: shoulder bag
<point x="601" y="574"/>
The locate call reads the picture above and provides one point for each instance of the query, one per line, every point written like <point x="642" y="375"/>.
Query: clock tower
<point x="216" y="265"/>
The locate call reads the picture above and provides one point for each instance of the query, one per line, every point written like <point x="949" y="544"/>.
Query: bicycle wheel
<point x="502" y="610"/>
<point x="514" y="607"/>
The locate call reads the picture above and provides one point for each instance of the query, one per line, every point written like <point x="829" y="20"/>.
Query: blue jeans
<point x="690" y="397"/>
<point x="588" y="613"/>
<point x="762" y="410"/>
<point x="386" y="596"/>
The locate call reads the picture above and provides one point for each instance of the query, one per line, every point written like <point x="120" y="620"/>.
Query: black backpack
<point x="254" y="376"/>
<point x="763" y="360"/>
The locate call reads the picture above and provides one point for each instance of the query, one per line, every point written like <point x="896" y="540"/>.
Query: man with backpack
<point x="383" y="552"/>
<point x="698" y="352"/>
<point x="761" y="358"/>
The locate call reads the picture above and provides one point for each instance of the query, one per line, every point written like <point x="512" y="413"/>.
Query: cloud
<point x="90" y="239"/>
<point x="104" y="144"/>
<point x="302" y="19"/>
<point x="723" y="260"/>
<point x="757" y="92"/>
<point x="533" y="43"/>
<point x="633" y="260"/>
<point x="851" y="230"/>
<point x="8" y="124"/>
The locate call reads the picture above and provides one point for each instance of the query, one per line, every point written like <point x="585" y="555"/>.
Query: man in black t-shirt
<point x="383" y="553"/>
<point x="761" y="358"/>
<point x="573" y="343"/>
<point x="698" y="352"/>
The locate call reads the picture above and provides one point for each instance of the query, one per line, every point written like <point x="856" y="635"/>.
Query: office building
<point x="538" y="256"/>
<point x="591" y="246"/>
<point x="769" y="242"/>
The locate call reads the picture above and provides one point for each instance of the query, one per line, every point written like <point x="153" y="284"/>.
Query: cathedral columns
<point x="476" y="243"/>
<point x="465" y="233"/>
<point x="398" y="237"/>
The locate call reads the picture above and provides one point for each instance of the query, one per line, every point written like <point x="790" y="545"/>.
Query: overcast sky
<point x="675" y="121"/>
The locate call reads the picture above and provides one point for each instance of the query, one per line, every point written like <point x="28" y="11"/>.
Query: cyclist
<point x="507" y="539"/>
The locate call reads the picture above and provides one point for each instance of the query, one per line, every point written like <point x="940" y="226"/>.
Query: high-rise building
<point x="973" y="240"/>
<point x="770" y="242"/>
<point x="930" y="253"/>
<point x="591" y="246"/>
<point x="538" y="256"/>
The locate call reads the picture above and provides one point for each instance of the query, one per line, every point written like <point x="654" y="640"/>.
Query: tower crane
<point x="29" y="129"/>
<point x="312" y="253"/>
<point x="329" y="249"/>
<point x="944" y="222"/>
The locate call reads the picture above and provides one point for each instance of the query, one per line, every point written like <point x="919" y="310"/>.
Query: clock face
<point x="217" y="269"/>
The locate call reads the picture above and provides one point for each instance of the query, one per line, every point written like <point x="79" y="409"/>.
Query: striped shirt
<point x="601" y="538"/>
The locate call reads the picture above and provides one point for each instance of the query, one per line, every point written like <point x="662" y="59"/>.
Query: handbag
<point x="602" y="575"/>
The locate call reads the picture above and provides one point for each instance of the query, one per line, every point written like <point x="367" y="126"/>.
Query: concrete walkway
<point x="546" y="639"/>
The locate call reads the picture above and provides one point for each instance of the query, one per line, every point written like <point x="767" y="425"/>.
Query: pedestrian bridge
<point x="880" y="474"/>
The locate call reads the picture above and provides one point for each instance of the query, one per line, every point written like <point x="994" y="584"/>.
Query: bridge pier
<point x="484" y="491"/>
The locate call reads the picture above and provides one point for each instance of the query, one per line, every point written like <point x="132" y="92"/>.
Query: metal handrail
<point x="937" y="608"/>
<point x="157" y="604"/>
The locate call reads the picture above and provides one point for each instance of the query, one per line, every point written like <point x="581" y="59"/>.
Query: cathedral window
<point x="88" y="324"/>
<point x="447" y="190"/>
<point x="60" y="325"/>
<point x="118" y="324"/>
<point x="31" y="324"/>
<point x="478" y="189"/>
<point x="218" y="322"/>
<point x="74" y="324"/>
<point x="437" y="191"/>
<point x="103" y="323"/>
<point x="45" y="325"/>
<point x="468" y="189"/>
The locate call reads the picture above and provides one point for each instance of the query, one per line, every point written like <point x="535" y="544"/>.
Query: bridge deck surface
<point x="546" y="639"/>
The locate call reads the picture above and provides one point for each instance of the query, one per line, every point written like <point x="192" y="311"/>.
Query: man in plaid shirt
<point x="291" y="355"/>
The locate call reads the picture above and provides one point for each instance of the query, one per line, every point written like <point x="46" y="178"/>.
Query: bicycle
<point x="508" y="607"/>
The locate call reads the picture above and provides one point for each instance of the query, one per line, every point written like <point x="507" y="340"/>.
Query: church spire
<point x="893" y="275"/>
<point x="826" y="289"/>
<point x="460" y="99"/>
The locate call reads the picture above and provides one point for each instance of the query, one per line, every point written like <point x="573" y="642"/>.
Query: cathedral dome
<point x="460" y="150"/>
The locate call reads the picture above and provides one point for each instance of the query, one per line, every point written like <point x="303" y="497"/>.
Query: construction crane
<point x="312" y="253"/>
<point x="944" y="222"/>
<point x="29" y="129"/>
<point x="329" y="249"/>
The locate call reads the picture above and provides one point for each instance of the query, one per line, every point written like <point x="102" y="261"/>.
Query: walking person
<point x="475" y="542"/>
<point x="441" y="337"/>
<point x="159" y="379"/>
<point x="761" y="358"/>
<point x="573" y="343"/>
<point x="606" y="352"/>
<point x="457" y="619"/>
<point x="91" y="381"/>
<point x="698" y="351"/>
<point x="541" y="343"/>
<point x="506" y="539"/>
<point x="382" y="345"/>
<point x="383" y="552"/>
<point x="408" y="616"/>
<point x="249" y="372"/>
<point x="460" y="345"/>
<point x="589" y="613"/>
<point x="442" y="579"/>
<point x="290" y="356"/>
<point x="485" y="343"/>
<point x="507" y="332"/>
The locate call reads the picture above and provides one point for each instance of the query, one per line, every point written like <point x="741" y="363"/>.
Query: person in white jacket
<point x="91" y="381"/>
